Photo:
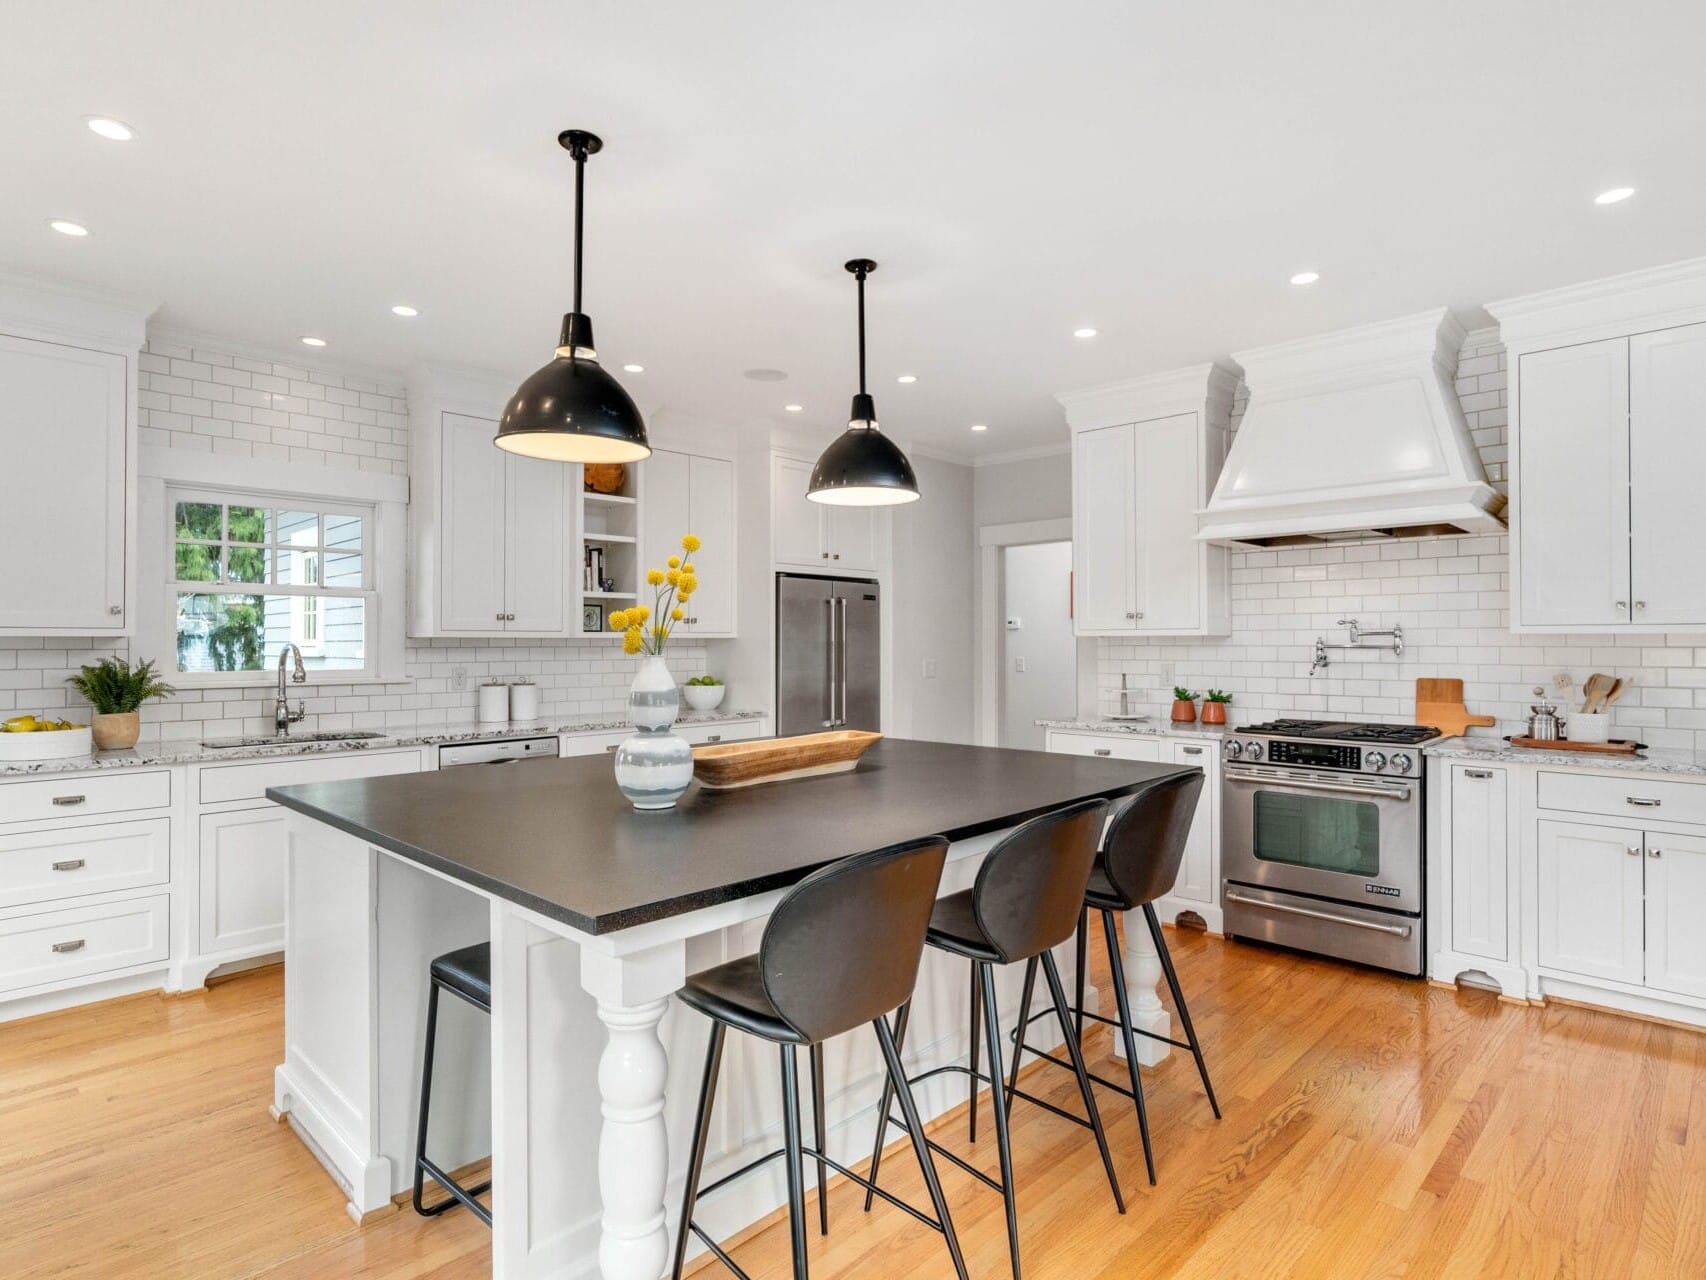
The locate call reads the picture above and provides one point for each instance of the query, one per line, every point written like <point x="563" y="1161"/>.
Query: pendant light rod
<point x="580" y="144"/>
<point x="861" y="267"/>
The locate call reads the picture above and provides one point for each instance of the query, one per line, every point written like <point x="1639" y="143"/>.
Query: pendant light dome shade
<point x="571" y="410"/>
<point x="863" y="467"/>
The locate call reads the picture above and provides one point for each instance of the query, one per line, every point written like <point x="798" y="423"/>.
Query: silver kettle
<point x="1544" y="723"/>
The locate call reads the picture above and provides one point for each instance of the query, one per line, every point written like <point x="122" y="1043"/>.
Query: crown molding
<point x="1022" y="455"/>
<point x="1652" y="298"/>
<point x="299" y="358"/>
<point x="53" y="309"/>
<point x="1158" y="395"/>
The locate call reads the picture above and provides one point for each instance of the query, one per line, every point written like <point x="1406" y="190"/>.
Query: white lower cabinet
<point x="1676" y="898"/>
<point x="1112" y="745"/>
<point x="241" y="880"/>
<point x="1589" y="893"/>
<point x="1199" y="872"/>
<point x="83" y="942"/>
<point x="1480" y="862"/>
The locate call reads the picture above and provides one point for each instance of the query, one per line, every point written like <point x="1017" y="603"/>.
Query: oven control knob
<point x="1253" y="751"/>
<point x="1374" y="761"/>
<point x="1234" y="748"/>
<point x="1403" y="764"/>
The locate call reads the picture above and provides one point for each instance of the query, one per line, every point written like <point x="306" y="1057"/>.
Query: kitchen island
<point x="596" y="913"/>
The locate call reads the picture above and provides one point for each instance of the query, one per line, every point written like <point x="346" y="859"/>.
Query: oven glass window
<point x="1324" y="832"/>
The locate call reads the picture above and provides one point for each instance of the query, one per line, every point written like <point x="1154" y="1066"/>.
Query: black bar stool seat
<point x="955" y="928"/>
<point x="1101" y="894"/>
<point x="734" y="993"/>
<point x="468" y="973"/>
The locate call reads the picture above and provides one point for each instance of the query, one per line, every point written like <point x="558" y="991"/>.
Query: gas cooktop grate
<point x="1345" y="731"/>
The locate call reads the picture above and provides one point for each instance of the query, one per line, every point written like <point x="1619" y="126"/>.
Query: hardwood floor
<point x="1373" y="1127"/>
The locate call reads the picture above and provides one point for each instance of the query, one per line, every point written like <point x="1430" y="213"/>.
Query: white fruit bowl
<point x="704" y="697"/>
<point x="58" y="744"/>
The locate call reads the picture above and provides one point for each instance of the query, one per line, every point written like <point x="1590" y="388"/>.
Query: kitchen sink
<point x="285" y="739"/>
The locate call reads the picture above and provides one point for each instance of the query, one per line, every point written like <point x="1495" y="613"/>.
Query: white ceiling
<point x="1157" y="171"/>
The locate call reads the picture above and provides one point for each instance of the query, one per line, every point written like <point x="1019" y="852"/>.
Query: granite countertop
<point x="163" y="754"/>
<point x="1654" y="760"/>
<point x="1140" y="728"/>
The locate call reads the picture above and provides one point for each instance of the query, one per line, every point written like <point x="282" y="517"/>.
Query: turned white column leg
<point x="1143" y="975"/>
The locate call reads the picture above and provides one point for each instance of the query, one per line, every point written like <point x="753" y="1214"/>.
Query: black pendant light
<point x="572" y="410"/>
<point x="863" y="468"/>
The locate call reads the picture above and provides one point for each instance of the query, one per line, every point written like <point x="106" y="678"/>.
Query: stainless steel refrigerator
<point x="827" y="670"/>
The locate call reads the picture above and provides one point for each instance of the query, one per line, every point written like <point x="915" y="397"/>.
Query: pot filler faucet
<point x="1358" y="640"/>
<point x="282" y="716"/>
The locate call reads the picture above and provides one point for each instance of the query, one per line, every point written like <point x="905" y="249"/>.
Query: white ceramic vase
<point x="653" y="765"/>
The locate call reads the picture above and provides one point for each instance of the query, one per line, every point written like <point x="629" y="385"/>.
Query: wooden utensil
<point x="1595" y="690"/>
<point x="1439" y="702"/>
<point x="746" y="764"/>
<point x="1617" y="688"/>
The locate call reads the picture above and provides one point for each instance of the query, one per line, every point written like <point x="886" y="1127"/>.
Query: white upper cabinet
<point x="1606" y="446"/>
<point x="471" y="528"/>
<point x="690" y="493"/>
<point x="1145" y="456"/>
<point x="539" y="523"/>
<point x="814" y="535"/>
<point x="68" y="377"/>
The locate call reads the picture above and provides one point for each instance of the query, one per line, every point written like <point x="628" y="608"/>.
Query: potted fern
<point x="117" y="691"/>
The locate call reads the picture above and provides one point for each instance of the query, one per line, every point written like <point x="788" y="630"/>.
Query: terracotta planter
<point x="1214" y="713"/>
<point x="117" y="732"/>
<point x="1184" y="711"/>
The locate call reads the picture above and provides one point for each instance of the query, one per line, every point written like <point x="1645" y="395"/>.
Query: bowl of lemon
<point x="30" y="737"/>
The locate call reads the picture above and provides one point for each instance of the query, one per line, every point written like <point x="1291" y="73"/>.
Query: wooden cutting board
<point x="1439" y="702"/>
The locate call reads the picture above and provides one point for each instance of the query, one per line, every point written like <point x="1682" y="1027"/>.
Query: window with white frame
<point x="251" y="574"/>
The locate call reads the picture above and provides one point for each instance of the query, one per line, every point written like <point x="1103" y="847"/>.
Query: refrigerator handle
<point x="834" y="661"/>
<point x="841" y="658"/>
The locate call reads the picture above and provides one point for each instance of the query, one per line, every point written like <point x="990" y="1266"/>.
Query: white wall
<point x="1036" y="590"/>
<point x="1031" y="488"/>
<point x="930" y="602"/>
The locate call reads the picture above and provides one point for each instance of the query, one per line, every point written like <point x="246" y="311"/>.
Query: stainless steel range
<point x="1322" y="845"/>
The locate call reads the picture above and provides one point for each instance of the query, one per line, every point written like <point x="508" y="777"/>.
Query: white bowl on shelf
<point x="704" y="697"/>
<point x="54" y="744"/>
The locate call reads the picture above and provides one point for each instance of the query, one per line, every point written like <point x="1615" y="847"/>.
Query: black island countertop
<point x="557" y="837"/>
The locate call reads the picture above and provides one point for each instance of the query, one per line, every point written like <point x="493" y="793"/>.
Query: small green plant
<point x="706" y="680"/>
<point x="1217" y="695"/>
<point x="1184" y="695"/>
<point x="114" y="687"/>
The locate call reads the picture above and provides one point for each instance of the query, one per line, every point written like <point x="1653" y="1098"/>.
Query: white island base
<point x="593" y="1070"/>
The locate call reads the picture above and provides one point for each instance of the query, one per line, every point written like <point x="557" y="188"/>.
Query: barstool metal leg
<point x="1019" y="1033"/>
<point x="997" y="1091"/>
<point x="1052" y="973"/>
<point x="900" y="1020"/>
<point x="976" y="1019"/>
<point x="701" y="1139"/>
<point x="915" y="1129"/>
<point x="796" y="1174"/>
<point x="1117" y="967"/>
<point x="818" y="1126"/>
<point x="1179" y="1002"/>
<point x="1081" y="959"/>
<point x="426" y="1108"/>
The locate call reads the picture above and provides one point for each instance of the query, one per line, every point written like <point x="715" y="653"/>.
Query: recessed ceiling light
<point x="1306" y="277"/>
<point x="1085" y="332"/>
<point x="402" y="309"/>
<point x="765" y="375"/>
<point x="313" y="342"/>
<point x="907" y="377"/>
<point x="1615" y="196"/>
<point x="980" y="426"/>
<point x="633" y="368"/>
<point x="107" y="127"/>
<point x="794" y="408"/>
<point x="68" y="228"/>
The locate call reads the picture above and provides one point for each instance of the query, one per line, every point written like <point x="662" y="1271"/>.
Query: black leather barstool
<point x="1138" y="863"/>
<point x="841" y="949"/>
<point x="466" y="973"/>
<point x="1028" y="896"/>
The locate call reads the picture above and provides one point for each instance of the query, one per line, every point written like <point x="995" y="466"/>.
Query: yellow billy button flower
<point x="689" y="584"/>
<point x="631" y="640"/>
<point x="674" y="562"/>
<point x="691" y="543"/>
<point x="658" y="632"/>
<point x="638" y="614"/>
<point x="673" y="577"/>
<point x="619" y="621"/>
<point x="678" y="614"/>
<point x="687" y="569"/>
<point x="654" y="577"/>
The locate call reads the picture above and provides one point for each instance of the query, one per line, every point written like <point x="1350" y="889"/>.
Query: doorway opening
<point x="1039" y="653"/>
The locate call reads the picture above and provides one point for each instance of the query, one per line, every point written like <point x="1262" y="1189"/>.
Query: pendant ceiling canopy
<point x="863" y="467"/>
<point x="571" y="410"/>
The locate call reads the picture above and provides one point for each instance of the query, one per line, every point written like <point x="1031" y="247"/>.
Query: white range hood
<point x="1350" y="436"/>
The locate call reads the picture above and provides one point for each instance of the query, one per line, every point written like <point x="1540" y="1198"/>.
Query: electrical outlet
<point x="930" y="668"/>
<point x="459" y="679"/>
<point x="1019" y="665"/>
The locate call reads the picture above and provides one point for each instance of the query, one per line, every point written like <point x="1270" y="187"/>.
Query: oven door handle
<point x="1394" y="791"/>
<point x="1396" y="930"/>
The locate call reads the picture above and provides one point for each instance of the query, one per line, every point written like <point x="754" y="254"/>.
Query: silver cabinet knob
<point x="115" y="609"/>
<point x="1621" y="604"/>
<point x="1634" y="851"/>
<point x="1640" y="604"/>
<point x="826" y="555"/>
<point x="836" y="556"/>
<point x="1132" y="617"/>
<point x="1655" y="853"/>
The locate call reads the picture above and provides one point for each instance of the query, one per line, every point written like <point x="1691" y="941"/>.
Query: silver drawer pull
<point x="1477" y="773"/>
<point x="612" y="746"/>
<point x="70" y="864"/>
<point x="714" y="737"/>
<point x="1104" y="751"/>
<point x="71" y="800"/>
<point x="76" y="944"/>
<point x="1396" y="930"/>
<point x="1191" y="751"/>
<point x="1643" y="802"/>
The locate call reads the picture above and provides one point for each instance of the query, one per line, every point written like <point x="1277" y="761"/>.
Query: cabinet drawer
<point x="1111" y="745"/>
<point x="1642" y="799"/>
<point x="70" y="862"/>
<point x="592" y="744"/>
<point x="224" y="782"/>
<point x="76" y="943"/>
<point x="74" y="795"/>
<point x="740" y="731"/>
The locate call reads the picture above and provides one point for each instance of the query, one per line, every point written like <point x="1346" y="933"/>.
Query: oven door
<point x="1332" y="835"/>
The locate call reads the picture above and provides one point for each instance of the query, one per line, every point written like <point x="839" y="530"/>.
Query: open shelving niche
<point x="611" y="522"/>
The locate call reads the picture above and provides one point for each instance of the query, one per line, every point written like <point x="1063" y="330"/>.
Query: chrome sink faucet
<point x="282" y="716"/>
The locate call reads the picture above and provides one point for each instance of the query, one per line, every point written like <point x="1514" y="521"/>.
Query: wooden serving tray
<point x="1616" y="747"/>
<point x="728" y="765"/>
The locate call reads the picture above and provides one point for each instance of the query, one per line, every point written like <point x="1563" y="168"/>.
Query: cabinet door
<point x="1667" y="420"/>
<point x="1196" y="872"/>
<point x="851" y="535"/>
<point x="62" y="516"/>
<point x="796" y="522"/>
<point x="1168" y="558"/>
<point x="666" y="507"/>
<point x="1572" y="515"/>
<point x="538" y="512"/>
<point x="1104" y="471"/>
<point x="1590" y="900"/>
<point x="241" y="874"/>
<point x="713" y="487"/>
<point x="471" y="539"/>
<point x="1676" y="904"/>
<point x="1480" y="863"/>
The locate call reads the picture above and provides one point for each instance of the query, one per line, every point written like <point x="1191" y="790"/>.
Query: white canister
<point x="1590" y="726"/>
<point x="524" y="701"/>
<point x="494" y="703"/>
